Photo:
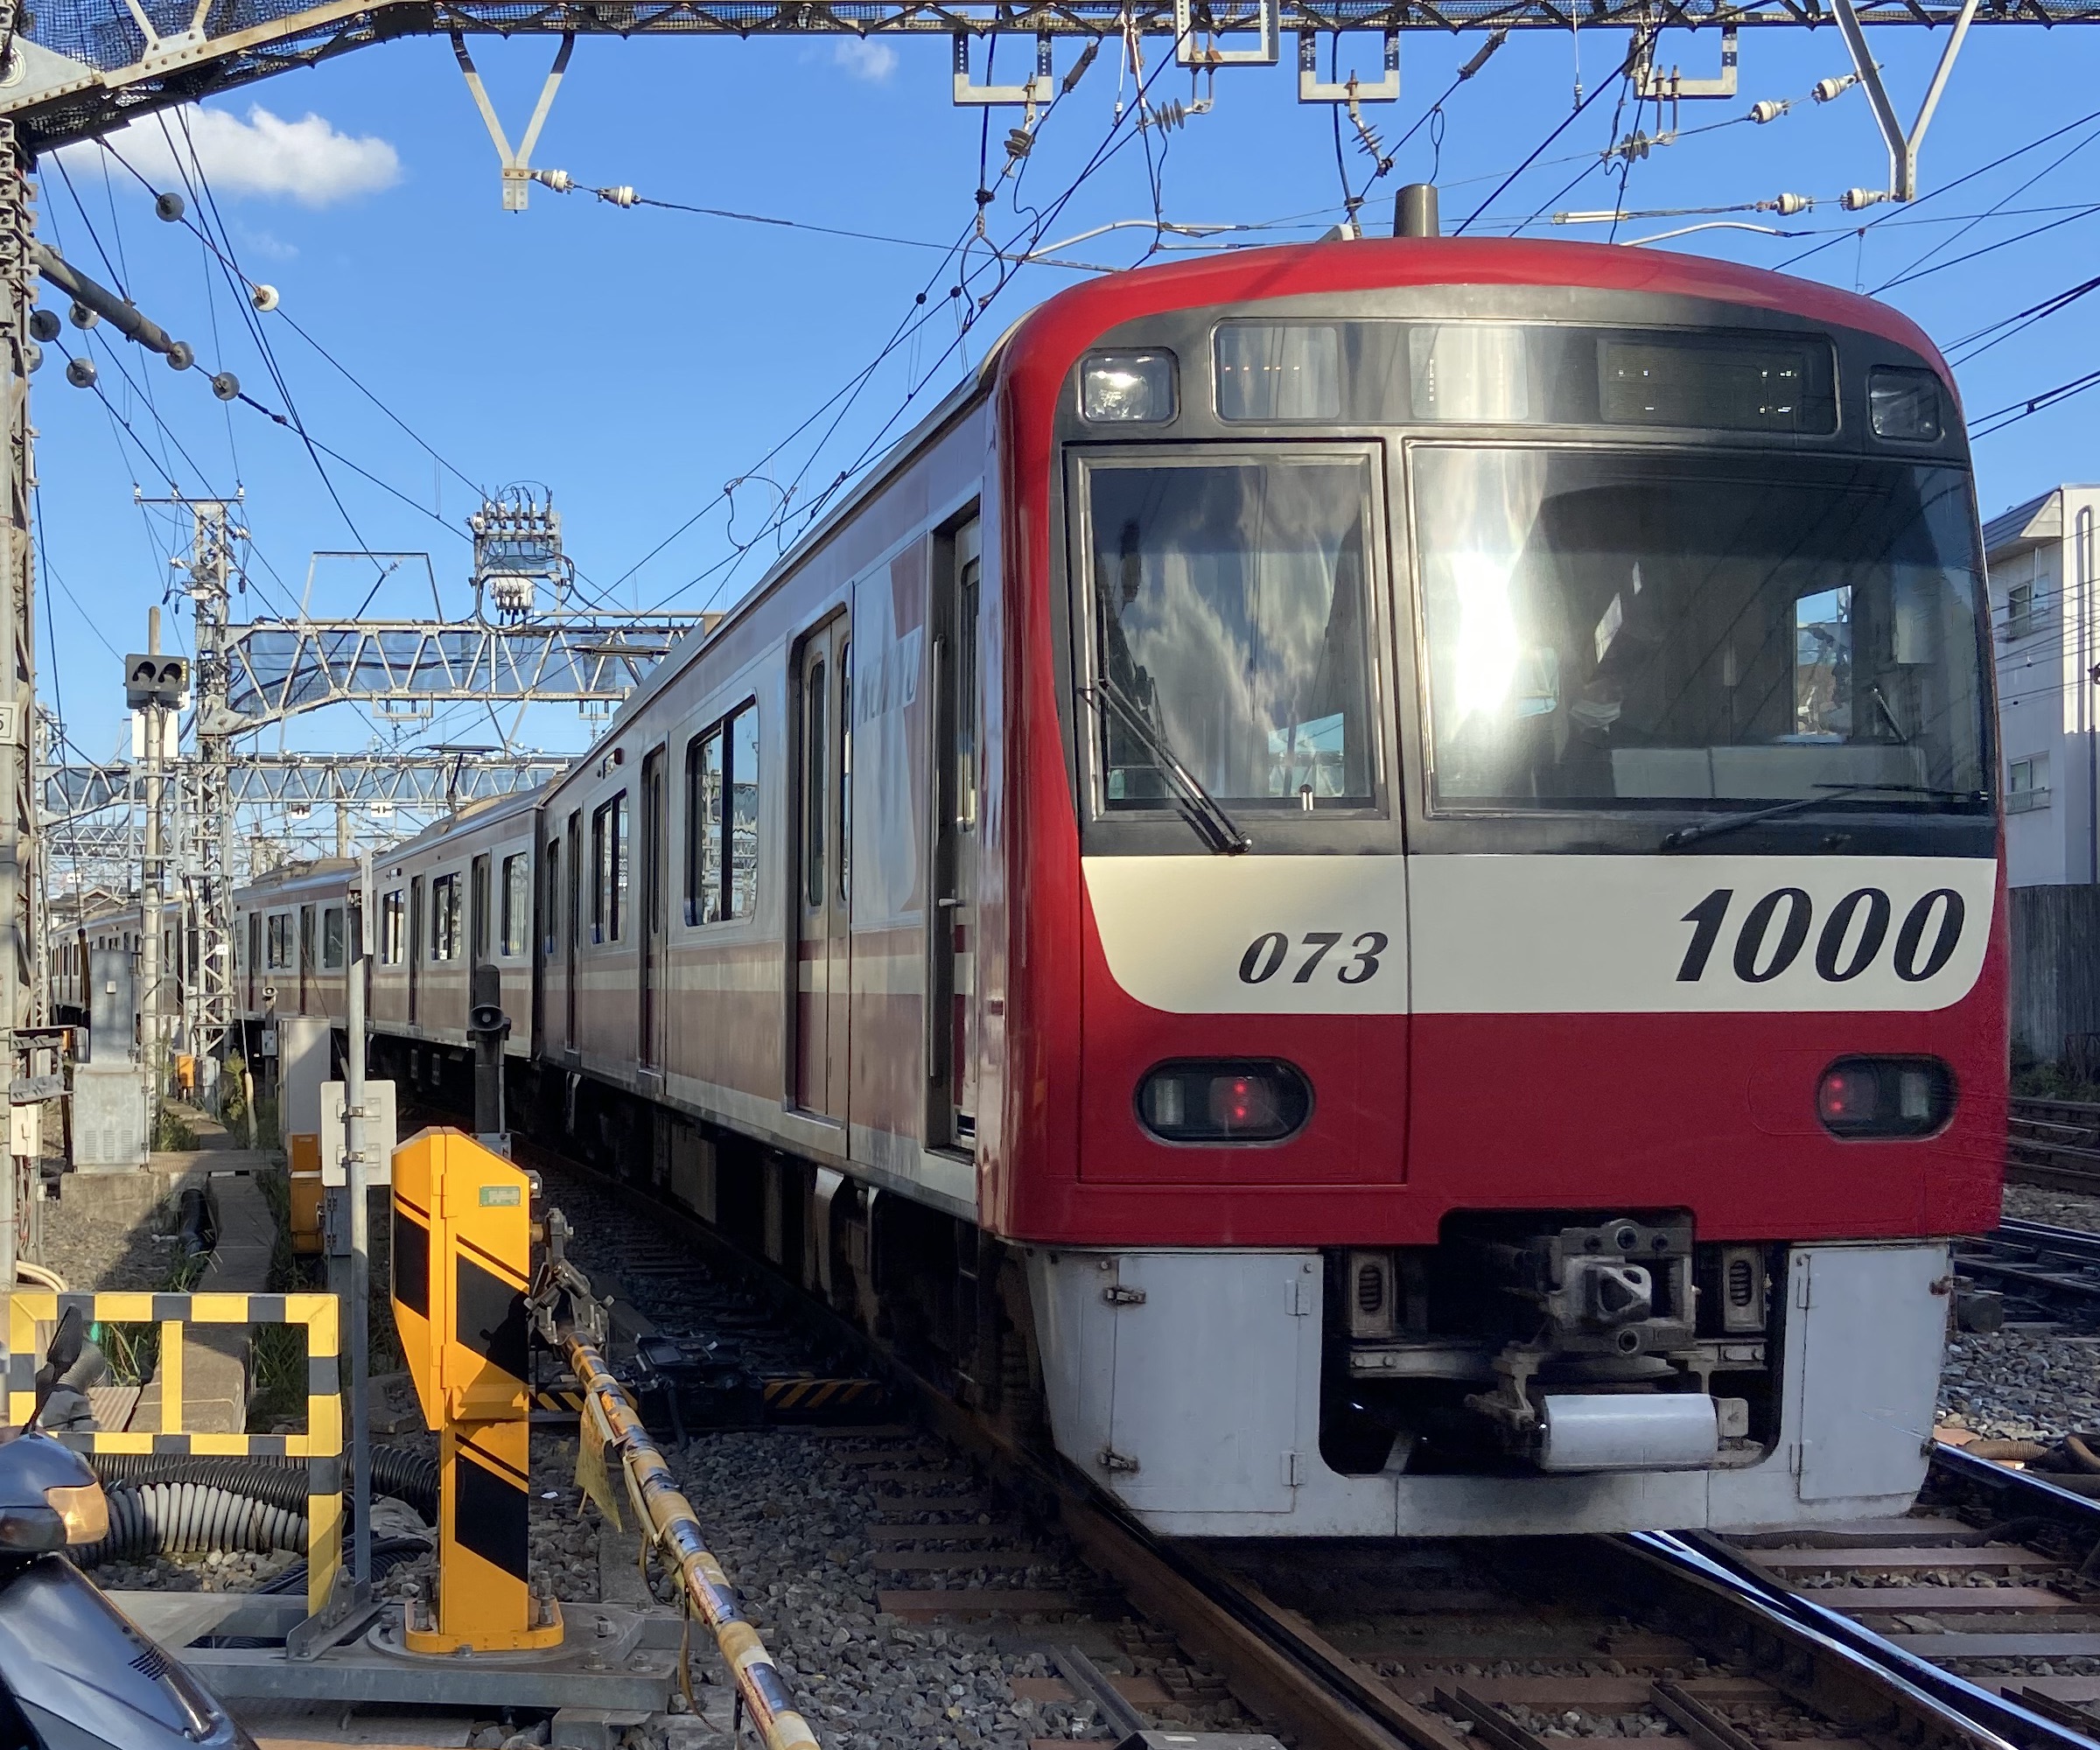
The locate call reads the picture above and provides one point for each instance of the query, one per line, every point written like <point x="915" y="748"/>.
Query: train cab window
<point x="445" y="917"/>
<point x="392" y="912"/>
<point x="332" y="939"/>
<point x="517" y="903"/>
<point x="1230" y="605"/>
<point x="609" y="869"/>
<point x="1658" y="630"/>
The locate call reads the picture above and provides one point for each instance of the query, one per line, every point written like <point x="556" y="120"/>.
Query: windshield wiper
<point x="1691" y="835"/>
<point x="1201" y="810"/>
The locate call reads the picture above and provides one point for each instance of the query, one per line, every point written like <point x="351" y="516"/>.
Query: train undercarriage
<point x="1541" y="1371"/>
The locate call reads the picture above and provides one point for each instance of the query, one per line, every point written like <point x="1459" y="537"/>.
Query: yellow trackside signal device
<point x="462" y="1241"/>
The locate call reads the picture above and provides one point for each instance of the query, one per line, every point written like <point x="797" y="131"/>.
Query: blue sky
<point x="636" y="361"/>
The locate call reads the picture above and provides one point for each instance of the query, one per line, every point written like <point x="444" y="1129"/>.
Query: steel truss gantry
<point x="85" y="65"/>
<point x="274" y="669"/>
<point x="421" y="782"/>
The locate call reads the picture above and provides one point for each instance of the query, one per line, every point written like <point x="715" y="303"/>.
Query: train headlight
<point x="1224" y="1101"/>
<point x="1904" y="404"/>
<point x="1885" y="1097"/>
<point x="1136" y="388"/>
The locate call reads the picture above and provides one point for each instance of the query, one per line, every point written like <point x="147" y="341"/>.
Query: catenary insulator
<point x="168" y="208"/>
<point x="1768" y="110"/>
<point x="1854" y="198"/>
<point x="559" y="180"/>
<point x="621" y="196"/>
<point x="263" y="297"/>
<point x="1788" y="204"/>
<point x="1827" y="88"/>
<point x="80" y="373"/>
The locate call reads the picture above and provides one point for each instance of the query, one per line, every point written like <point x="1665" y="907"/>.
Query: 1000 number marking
<point x="1775" y="930"/>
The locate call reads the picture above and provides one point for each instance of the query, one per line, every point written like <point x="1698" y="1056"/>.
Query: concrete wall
<point x="2055" y="965"/>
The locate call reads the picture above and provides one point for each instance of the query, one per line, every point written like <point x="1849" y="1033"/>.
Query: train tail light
<point x="1885" y="1097"/>
<point x="1235" y="1101"/>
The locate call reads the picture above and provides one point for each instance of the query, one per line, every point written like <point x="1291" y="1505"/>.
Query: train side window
<point x="390" y="910"/>
<point x="445" y="917"/>
<point x="722" y="818"/>
<point x="332" y="939"/>
<point x="517" y="902"/>
<point x="966" y="695"/>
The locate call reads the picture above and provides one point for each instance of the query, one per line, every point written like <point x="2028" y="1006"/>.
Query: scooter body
<point x="75" y="1673"/>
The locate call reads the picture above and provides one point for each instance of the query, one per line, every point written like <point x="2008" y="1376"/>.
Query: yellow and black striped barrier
<point x="321" y="1446"/>
<point x="804" y="1394"/>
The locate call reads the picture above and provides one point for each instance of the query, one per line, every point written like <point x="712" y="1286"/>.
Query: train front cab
<point x="1551" y="1116"/>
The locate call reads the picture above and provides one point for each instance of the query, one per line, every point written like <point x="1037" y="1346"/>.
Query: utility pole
<point x="152" y="1006"/>
<point x="22" y="987"/>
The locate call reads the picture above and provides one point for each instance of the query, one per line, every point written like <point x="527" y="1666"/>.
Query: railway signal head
<point x="155" y="680"/>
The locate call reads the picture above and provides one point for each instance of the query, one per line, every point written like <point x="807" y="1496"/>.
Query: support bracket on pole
<point x="517" y="166"/>
<point x="1269" y="21"/>
<point x="1902" y="147"/>
<point x="1036" y="94"/>
<point x="1669" y="88"/>
<point x="1313" y="89"/>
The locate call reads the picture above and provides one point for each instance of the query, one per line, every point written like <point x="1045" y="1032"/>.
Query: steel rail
<point x="1986" y="1717"/>
<point x="674" y="1529"/>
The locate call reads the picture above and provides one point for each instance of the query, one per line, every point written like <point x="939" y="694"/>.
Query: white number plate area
<point x="1542" y="934"/>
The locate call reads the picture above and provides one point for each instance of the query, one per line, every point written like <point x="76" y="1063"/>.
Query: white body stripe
<point x="1542" y="935"/>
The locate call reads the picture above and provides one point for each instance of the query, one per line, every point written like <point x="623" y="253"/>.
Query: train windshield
<point x="1230" y="613"/>
<point x="1617" y="630"/>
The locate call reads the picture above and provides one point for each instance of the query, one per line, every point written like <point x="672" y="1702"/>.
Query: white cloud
<point x="307" y="160"/>
<point x="868" y="57"/>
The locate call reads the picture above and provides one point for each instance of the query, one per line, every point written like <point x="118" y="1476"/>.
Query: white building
<point x="2046" y="630"/>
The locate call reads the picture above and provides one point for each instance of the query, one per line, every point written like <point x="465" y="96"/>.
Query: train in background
<point x="1362" y="887"/>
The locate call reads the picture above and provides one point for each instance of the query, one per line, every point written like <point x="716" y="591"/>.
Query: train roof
<point x="291" y="877"/>
<point x="484" y="811"/>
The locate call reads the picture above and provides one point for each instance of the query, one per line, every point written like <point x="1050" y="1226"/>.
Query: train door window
<point x="817" y="749"/>
<point x="950" y="1040"/>
<point x="477" y="914"/>
<point x="390" y="928"/>
<point x="845" y="770"/>
<point x="254" y="941"/>
<point x="306" y="953"/>
<point x="704" y="776"/>
<point x="609" y="869"/>
<point x="517" y="902"/>
<point x="650" y="935"/>
<point x="332" y="939"/>
<point x="741" y="829"/>
<point x="280" y="941"/>
<point x="550" y="914"/>
<point x="445" y="917"/>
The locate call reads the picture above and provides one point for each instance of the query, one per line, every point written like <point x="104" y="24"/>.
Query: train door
<point x="415" y="938"/>
<point x="822" y="908"/>
<point x="951" y="1058"/>
<point x="306" y="963"/>
<point x="573" y="919"/>
<point x="477" y="915"/>
<point x="653" y="839"/>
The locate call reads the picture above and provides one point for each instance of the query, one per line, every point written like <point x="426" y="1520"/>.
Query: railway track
<point x="1948" y="1630"/>
<point x="2053" y="1143"/>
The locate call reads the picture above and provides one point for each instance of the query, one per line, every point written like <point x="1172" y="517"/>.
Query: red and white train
<point x="1362" y="885"/>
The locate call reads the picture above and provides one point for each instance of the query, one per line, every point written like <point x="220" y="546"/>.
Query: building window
<point x="721" y="819"/>
<point x="609" y="869"/>
<point x="517" y="902"/>
<point x="445" y="917"/>
<point x="2020" y="611"/>
<point x="2027" y="784"/>
<point x="332" y="939"/>
<point x="392" y="910"/>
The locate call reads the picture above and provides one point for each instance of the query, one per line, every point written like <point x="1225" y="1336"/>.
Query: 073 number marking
<point x="1776" y="929"/>
<point x="1266" y="954"/>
